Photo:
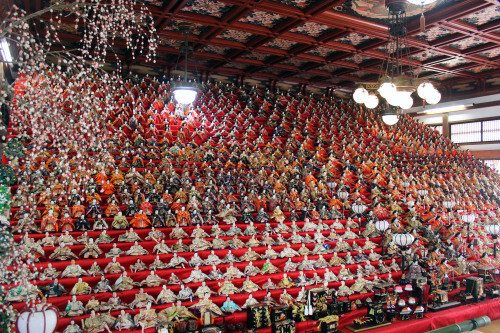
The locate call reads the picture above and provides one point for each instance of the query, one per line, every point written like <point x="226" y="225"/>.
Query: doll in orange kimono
<point x="140" y="220"/>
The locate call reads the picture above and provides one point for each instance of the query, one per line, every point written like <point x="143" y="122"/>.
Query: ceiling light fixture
<point x="397" y="81"/>
<point x="390" y="116"/>
<point x="185" y="91"/>
<point x="445" y="109"/>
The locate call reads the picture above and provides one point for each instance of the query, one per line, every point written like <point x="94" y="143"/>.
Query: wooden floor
<point x="493" y="328"/>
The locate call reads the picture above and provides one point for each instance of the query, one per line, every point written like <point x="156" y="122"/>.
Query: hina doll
<point x="196" y="275"/>
<point x="229" y="306"/>
<point x="161" y="248"/>
<point x="153" y="280"/>
<point x="72" y="270"/>
<point x="141" y="300"/>
<point x="114" y="267"/>
<point x="124" y="282"/>
<point x="72" y="328"/>
<point x="269" y="268"/>
<point x="91" y="249"/>
<point x="185" y="293"/>
<point x="81" y="288"/>
<point x="203" y="289"/>
<point x="63" y="253"/>
<point x="124" y="321"/>
<point x="138" y="266"/>
<point x="140" y="220"/>
<point x="95" y="270"/>
<point x="278" y="215"/>
<point x="146" y="318"/>
<point x="49" y="273"/>
<point x="137" y="250"/>
<point x="74" y="308"/>
<point x="93" y="209"/>
<point x="49" y="223"/>
<point x="120" y="222"/>
<point x="129" y="236"/>
<point x="82" y="223"/>
<point x="66" y="238"/>
<point x="178" y="232"/>
<point x="54" y="289"/>
<point x="262" y="216"/>
<point x="233" y="272"/>
<point x="104" y="238"/>
<point x="166" y="296"/>
<point x="103" y="285"/>
<point x="176" y="312"/>
<point x="249" y="302"/>
<point x="114" y="252"/>
<point x="227" y="288"/>
<point x="249" y="286"/>
<point x="100" y="223"/>
<point x="251" y="270"/>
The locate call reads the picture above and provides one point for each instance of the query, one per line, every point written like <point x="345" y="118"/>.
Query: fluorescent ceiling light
<point x="4" y="50"/>
<point x="445" y="109"/>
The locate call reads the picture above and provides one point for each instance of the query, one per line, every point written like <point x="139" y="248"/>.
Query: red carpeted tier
<point x="244" y="190"/>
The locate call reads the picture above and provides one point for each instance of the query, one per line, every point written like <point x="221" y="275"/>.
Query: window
<point x="491" y="130"/>
<point x="494" y="164"/>
<point x="438" y="128"/>
<point x="466" y="132"/>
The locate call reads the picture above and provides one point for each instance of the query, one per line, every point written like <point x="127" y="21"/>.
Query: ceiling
<point x="317" y="43"/>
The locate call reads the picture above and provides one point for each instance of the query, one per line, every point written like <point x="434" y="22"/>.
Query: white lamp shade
<point x="405" y="184"/>
<point x="360" y="95"/>
<point x="449" y="204"/>
<point x="382" y="226"/>
<point x="390" y="119"/>
<point x="403" y="239"/>
<point x="425" y="88"/>
<point x="41" y="319"/>
<point x="185" y="95"/>
<point x="406" y="101"/>
<point x="492" y="229"/>
<point x="468" y="218"/>
<point x="387" y="89"/>
<point x="422" y="192"/>
<point x="434" y="97"/>
<point x="371" y="101"/>
<point x="343" y="194"/>
<point x="358" y="208"/>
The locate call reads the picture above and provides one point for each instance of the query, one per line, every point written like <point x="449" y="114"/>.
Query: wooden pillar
<point x="446" y="126"/>
<point x="167" y="71"/>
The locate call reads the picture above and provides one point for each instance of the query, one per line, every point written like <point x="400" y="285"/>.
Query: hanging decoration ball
<point x="14" y="148"/>
<point x="360" y="95"/>
<point x="371" y="101"/>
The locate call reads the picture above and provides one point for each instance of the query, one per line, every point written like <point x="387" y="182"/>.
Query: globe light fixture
<point x="390" y="116"/>
<point x="185" y="91"/>
<point x="360" y="95"/>
<point x="343" y="195"/>
<point x="493" y="230"/>
<point x="397" y="80"/>
<point x="371" y="101"/>
<point x="403" y="240"/>
<point x="358" y="208"/>
<point x="449" y="204"/>
<point x="185" y="94"/>
<point x="468" y="219"/>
